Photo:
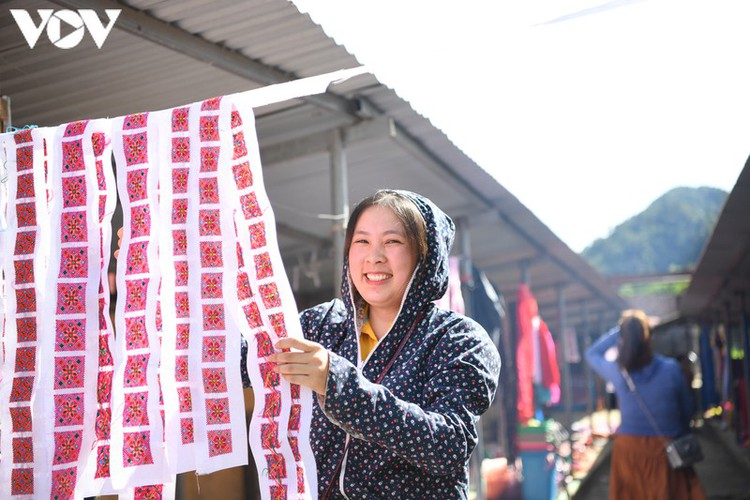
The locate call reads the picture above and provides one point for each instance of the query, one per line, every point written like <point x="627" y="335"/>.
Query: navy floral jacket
<point x="410" y="436"/>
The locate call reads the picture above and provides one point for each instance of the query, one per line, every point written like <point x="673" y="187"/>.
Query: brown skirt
<point x="640" y="470"/>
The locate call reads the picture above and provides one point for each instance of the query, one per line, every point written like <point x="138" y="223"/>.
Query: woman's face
<point x="381" y="259"/>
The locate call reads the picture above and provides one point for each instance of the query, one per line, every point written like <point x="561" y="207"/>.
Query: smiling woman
<point x="400" y="383"/>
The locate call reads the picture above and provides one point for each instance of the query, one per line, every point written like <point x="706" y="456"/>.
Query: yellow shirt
<point x="367" y="340"/>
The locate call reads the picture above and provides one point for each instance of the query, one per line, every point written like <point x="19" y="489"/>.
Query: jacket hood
<point x="431" y="279"/>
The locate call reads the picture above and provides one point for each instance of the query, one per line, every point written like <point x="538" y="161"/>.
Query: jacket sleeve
<point x="438" y="436"/>
<point x="608" y="370"/>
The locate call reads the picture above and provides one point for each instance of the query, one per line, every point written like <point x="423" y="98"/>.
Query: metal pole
<point x="339" y="205"/>
<point x="567" y="393"/>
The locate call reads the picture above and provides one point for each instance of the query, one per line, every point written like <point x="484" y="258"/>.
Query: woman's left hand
<point x="306" y="365"/>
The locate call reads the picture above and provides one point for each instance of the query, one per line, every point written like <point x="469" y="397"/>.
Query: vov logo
<point x="52" y="20"/>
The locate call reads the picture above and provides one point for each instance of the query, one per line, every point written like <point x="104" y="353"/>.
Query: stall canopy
<point x="163" y="54"/>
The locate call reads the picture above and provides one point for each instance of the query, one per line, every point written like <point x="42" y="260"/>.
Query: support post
<point x="566" y="385"/>
<point x="339" y="205"/>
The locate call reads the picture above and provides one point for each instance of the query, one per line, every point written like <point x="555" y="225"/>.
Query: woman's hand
<point x="307" y="365"/>
<point x="119" y="242"/>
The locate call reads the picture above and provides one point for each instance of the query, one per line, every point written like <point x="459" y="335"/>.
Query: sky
<point x="586" y="110"/>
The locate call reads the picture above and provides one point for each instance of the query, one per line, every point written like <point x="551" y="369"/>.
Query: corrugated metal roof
<point x="167" y="53"/>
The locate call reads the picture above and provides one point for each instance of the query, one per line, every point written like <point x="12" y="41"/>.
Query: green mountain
<point x="668" y="236"/>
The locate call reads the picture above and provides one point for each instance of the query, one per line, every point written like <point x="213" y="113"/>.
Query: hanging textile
<point x="85" y="412"/>
<point x="536" y="358"/>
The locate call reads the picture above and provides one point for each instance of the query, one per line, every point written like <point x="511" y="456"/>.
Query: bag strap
<point x="642" y="404"/>
<point x="379" y="378"/>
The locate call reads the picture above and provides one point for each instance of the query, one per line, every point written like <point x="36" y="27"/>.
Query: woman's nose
<point x="376" y="253"/>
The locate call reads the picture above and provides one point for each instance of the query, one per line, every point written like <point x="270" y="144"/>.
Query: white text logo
<point x="52" y="20"/>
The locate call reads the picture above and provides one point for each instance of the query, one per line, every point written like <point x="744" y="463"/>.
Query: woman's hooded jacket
<point x="413" y="433"/>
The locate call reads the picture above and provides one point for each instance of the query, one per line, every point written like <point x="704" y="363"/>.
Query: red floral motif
<point x="211" y="254"/>
<point x="69" y="371"/>
<point x="26" y="329"/>
<point x="265" y="344"/>
<point x="210" y="223"/>
<point x="20" y="416"/>
<point x="23" y="136"/>
<point x="294" y="445"/>
<point x="135" y="370"/>
<point x="24" y="271"/>
<point x="104" y="386"/>
<point x="219" y="442"/>
<point x="186" y="428"/>
<point x="270" y="435"/>
<point x="138" y="120"/>
<point x="185" y="399"/>
<point x="25" y="241"/>
<point x="209" y="158"/>
<point x="214" y="380"/>
<point x="153" y="492"/>
<point x="180" y="180"/>
<point x="294" y="417"/>
<point x="63" y="483"/>
<point x="26" y="214"/>
<point x="102" y="461"/>
<point x="250" y="206"/>
<point x="74" y="262"/>
<point x="236" y="119"/>
<point x="214" y="347"/>
<point x="270" y="377"/>
<point x="211" y="285"/>
<point x="210" y="104"/>
<point x="23" y="450"/>
<point x="276" y="466"/>
<point x="75" y="128"/>
<point x="240" y="148"/>
<point x="182" y="304"/>
<point x="137" y="184"/>
<point x="21" y="389"/>
<point x="180" y="119"/>
<point x="278" y="492"/>
<point x="208" y="188"/>
<point x="25" y="300"/>
<point x="67" y="446"/>
<point x="181" y="371"/>
<point x="300" y="480"/>
<point x="243" y="177"/>
<point x="71" y="298"/>
<point x="277" y="322"/>
<point x="180" y="242"/>
<point x="135" y="147"/>
<point x="135" y="332"/>
<point x="270" y="295"/>
<point x="272" y="409"/>
<point x="68" y="409"/>
<point x="136" y="449"/>
<point x="213" y="317"/>
<point x="105" y="355"/>
<point x="243" y="287"/>
<point x="25" y="187"/>
<point x="182" y="273"/>
<point x="103" y="423"/>
<point x="72" y="156"/>
<point x="25" y="359"/>
<point x="209" y="128"/>
<point x="135" y="413"/>
<point x="74" y="227"/>
<point x="137" y="261"/>
<point x="98" y="142"/>
<point x="183" y="336"/>
<point x="136" y="292"/>
<point x="24" y="158"/>
<point x="180" y="150"/>
<point x="240" y="258"/>
<point x="217" y="411"/>
<point x="258" y="235"/>
<point x="294" y="390"/>
<point x="252" y="314"/>
<point x="179" y="210"/>
<point x="140" y="221"/>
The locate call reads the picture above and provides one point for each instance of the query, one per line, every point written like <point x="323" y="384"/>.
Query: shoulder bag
<point x="683" y="451"/>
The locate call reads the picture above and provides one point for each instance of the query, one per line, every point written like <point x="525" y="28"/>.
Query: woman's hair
<point x="406" y="212"/>
<point x="635" y="340"/>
